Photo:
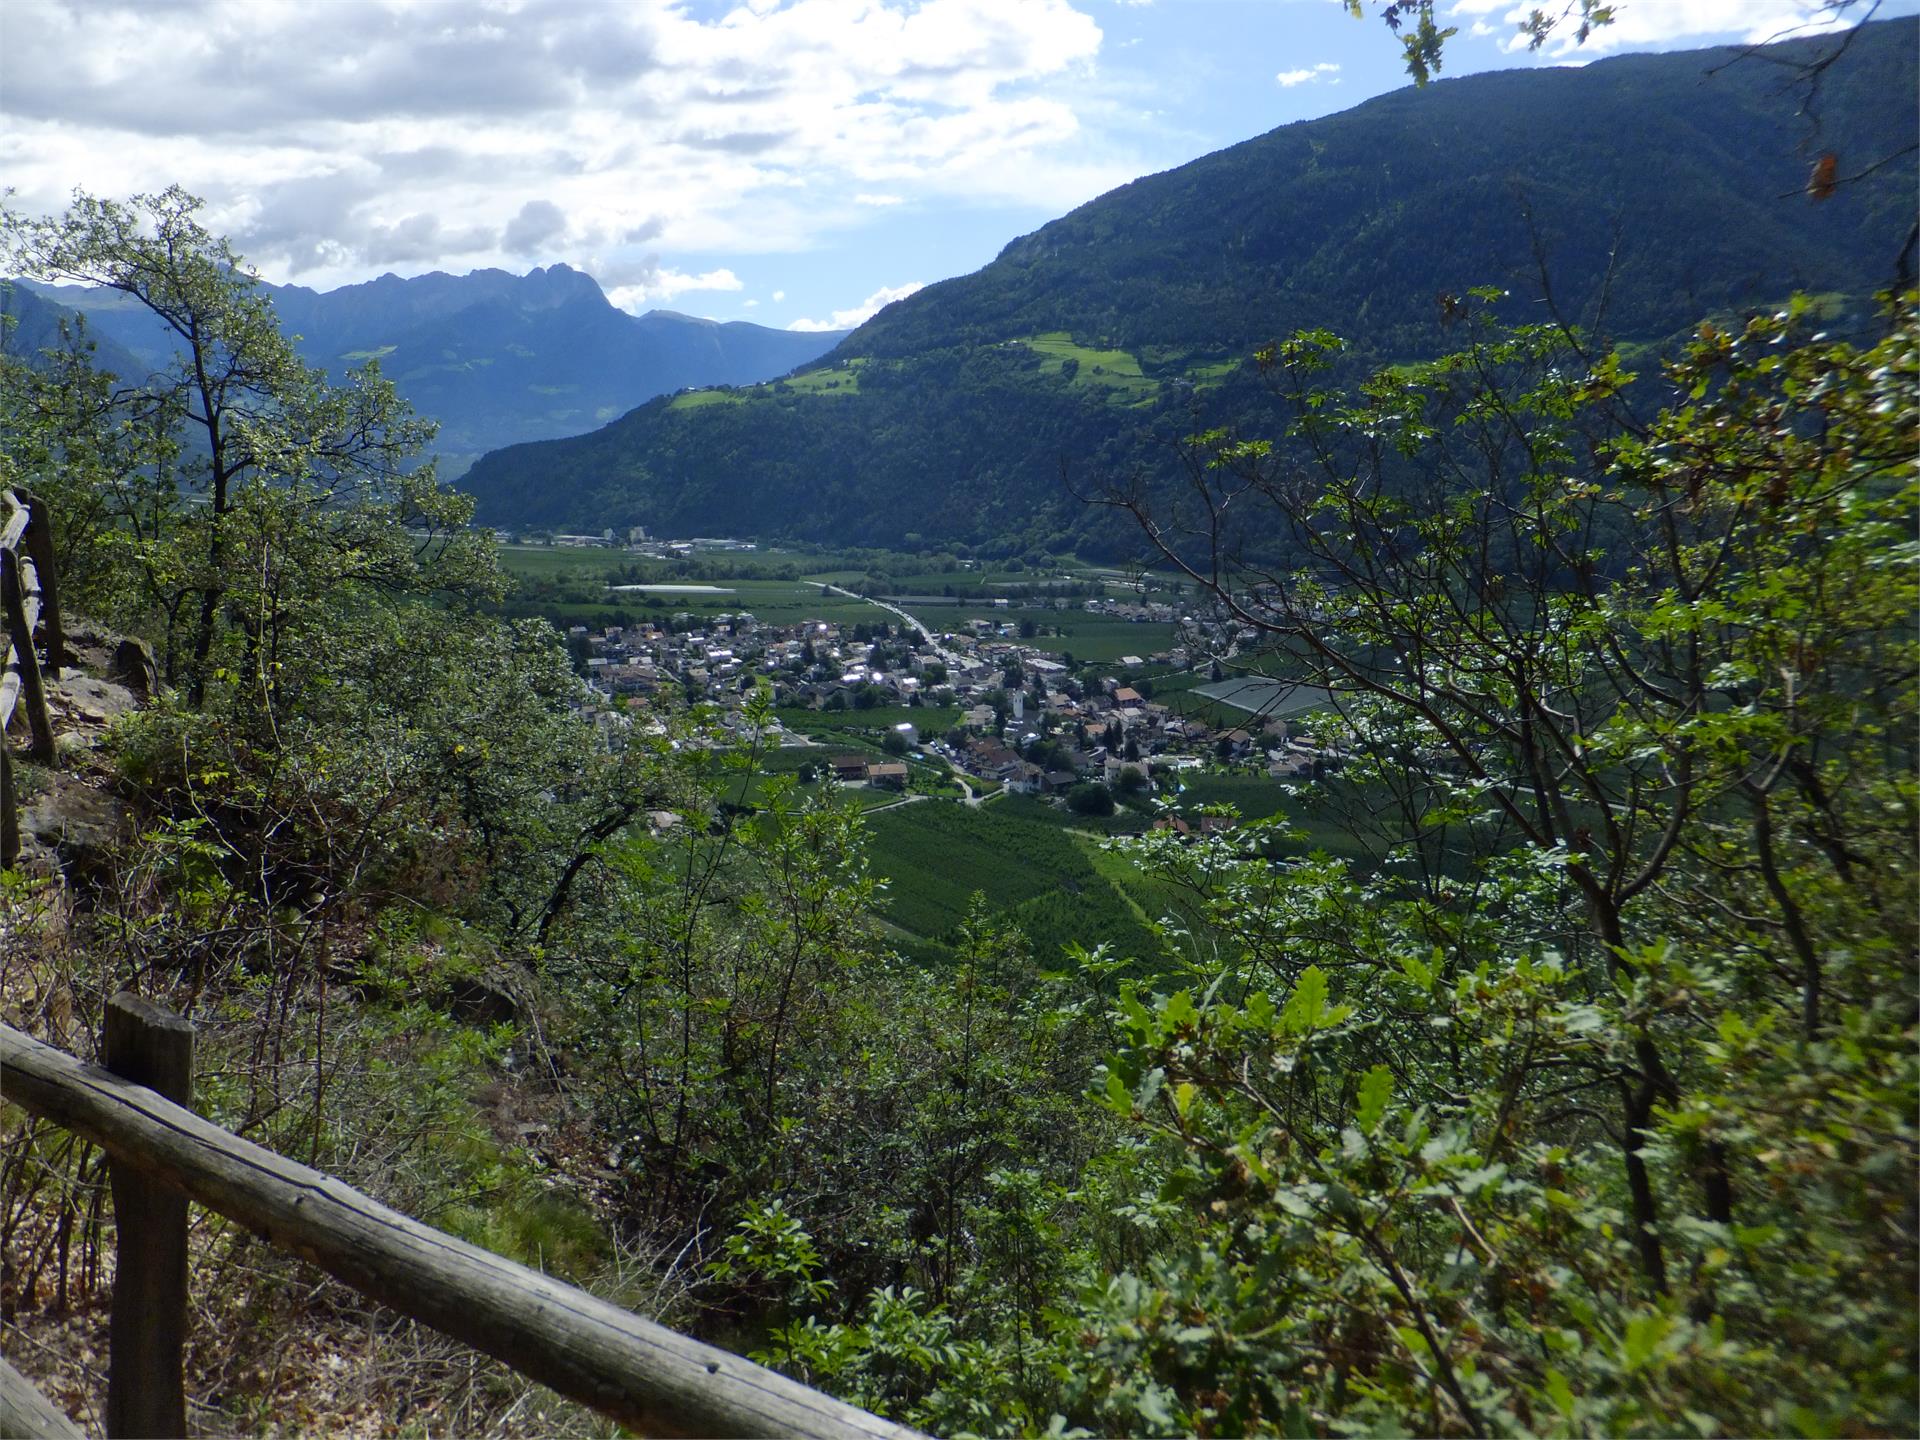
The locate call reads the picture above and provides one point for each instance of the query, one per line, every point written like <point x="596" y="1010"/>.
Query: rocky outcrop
<point x="77" y="825"/>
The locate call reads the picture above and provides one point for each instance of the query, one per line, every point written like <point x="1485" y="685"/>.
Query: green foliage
<point x="769" y="1247"/>
<point x="245" y="489"/>
<point x="1611" y="1131"/>
<point x="1091" y="799"/>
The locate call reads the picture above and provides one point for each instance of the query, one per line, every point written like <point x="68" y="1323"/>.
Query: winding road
<point x="947" y="657"/>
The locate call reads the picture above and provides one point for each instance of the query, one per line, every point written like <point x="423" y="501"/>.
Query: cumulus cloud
<point x="636" y="285"/>
<point x="1308" y="75"/>
<point x="1662" y="22"/>
<point x="539" y="223"/>
<point x="861" y="313"/>
<point x="336" y="139"/>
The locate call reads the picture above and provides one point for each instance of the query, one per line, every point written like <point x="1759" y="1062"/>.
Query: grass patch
<point x="1115" y="371"/>
<point x="700" y="399"/>
<point x="1087" y="637"/>
<point x="841" y="379"/>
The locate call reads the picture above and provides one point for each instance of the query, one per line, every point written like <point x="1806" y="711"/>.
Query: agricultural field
<point x="1326" y="823"/>
<point x="553" y="562"/>
<point x="1116" y="371"/>
<point x="1124" y="821"/>
<point x="700" y="399"/>
<point x="749" y="791"/>
<point x="1089" y="638"/>
<point x="1256" y="797"/>
<point x="709" y="566"/>
<point x="1103" y="639"/>
<point x="574" y="587"/>
<point x="1158" y="903"/>
<point x="815" y="762"/>
<point x="1164" y="360"/>
<point x="936" y="854"/>
<point x="928" y="719"/>
<point x="1259" y="695"/>
<point x="841" y="379"/>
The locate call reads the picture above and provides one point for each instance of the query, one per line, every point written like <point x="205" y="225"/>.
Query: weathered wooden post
<point x="33" y="693"/>
<point x="9" y="807"/>
<point x="26" y="1414"/>
<point x="146" y="1386"/>
<point x="38" y="542"/>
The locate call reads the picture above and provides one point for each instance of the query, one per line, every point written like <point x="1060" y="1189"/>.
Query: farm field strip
<point x="1259" y="695"/>
<point x="935" y="855"/>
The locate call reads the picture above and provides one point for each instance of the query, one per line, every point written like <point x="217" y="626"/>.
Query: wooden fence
<point x="31" y="601"/>
<point x="161" y="1155"/>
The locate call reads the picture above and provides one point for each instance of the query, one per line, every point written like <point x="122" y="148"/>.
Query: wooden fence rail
<point x="29" y="598"/>
<point x="26" y="1414"/>
<point x="649" y="1378"/>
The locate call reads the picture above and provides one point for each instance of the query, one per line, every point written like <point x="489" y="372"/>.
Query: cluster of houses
<point x="1108" y="729"/>
<point x="1026" y="722"/>
<point x="865" y="770"/>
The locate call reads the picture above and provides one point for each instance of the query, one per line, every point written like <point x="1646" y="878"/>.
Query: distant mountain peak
<point x="560" y="283"/>
<point x="497" y="358"/>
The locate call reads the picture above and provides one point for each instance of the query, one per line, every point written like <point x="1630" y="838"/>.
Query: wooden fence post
<point x="9" y="807"/>
<point x="146" y="1387"/>
<point x="33" y="692"/>
<point x="38" y="540"/>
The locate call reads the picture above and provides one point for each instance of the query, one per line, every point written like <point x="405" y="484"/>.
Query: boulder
<point x="132" y="666"/>
<point x="81" y="825"/>
<point x="94" y="700"/>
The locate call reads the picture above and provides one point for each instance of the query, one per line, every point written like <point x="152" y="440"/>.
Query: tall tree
<point x="257" y="427"/>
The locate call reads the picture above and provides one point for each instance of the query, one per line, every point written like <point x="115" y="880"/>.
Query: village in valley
<point x="996" y="718"/>
<point x="982" y="705"/>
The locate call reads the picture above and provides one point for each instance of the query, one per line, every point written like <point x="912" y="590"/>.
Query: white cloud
<point x="778" y="296"/>
<point x="1663" y="22"/>
<point x="861" y="313"/>
<point x="661" y="284"/>
<point x="539" y="224"/>
<point x="1307" y="75"/>
<point x="337" y="138"/>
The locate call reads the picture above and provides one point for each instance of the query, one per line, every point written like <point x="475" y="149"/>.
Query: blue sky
<point x="790" y="162"/>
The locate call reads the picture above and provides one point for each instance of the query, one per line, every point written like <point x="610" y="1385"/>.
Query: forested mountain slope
<point x="496" y="358"/>
<point x="1665" y="185"/>
<point x="31" y="323"/>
